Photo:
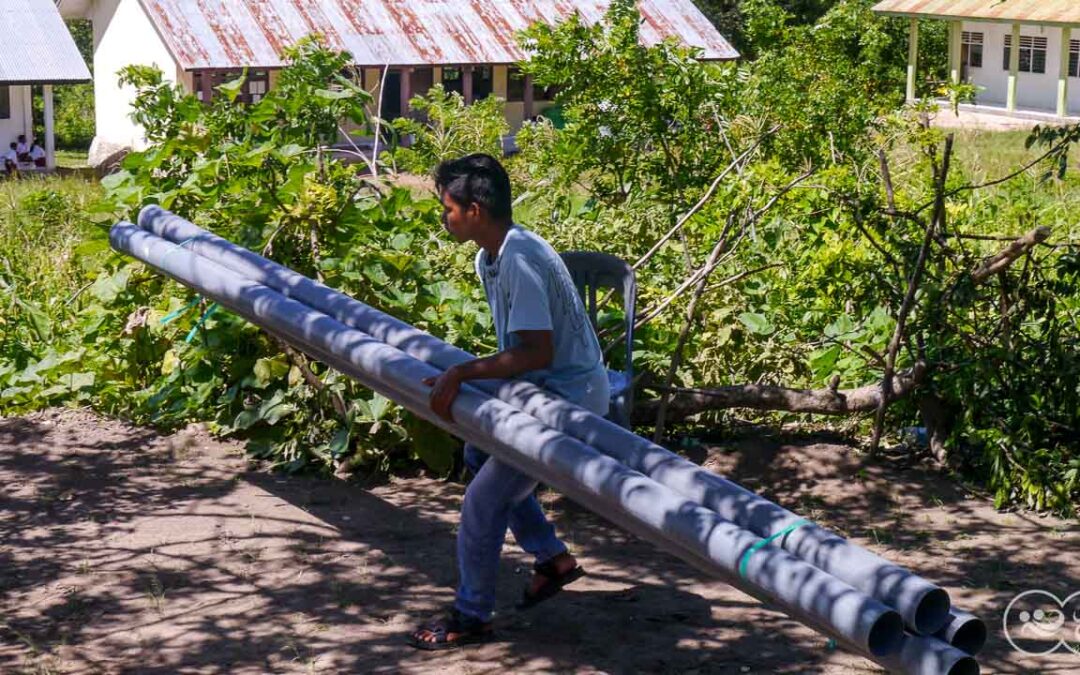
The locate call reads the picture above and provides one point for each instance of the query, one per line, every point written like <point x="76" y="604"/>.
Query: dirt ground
<point x="123" y="551"/>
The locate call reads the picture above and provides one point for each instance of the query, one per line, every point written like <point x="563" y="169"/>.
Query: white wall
<point x="20" y="120"/>
<point x="123" y="35"/>
<point x="1034" y="91"/>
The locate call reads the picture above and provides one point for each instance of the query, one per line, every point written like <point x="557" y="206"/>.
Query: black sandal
<point x="450" y="631"/>
<point x="554" y="582"/>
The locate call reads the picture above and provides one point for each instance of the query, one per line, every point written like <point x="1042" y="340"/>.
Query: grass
<point x="43" y="222"/>
<point x="1011" y="208"/>
<point x="71" y="159"/>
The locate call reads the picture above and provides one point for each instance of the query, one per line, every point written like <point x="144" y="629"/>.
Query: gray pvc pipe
<point x="599" y="482"/>
<point x="923" y="605"/>
<point x="965" y="631"/>
<point x="921" y="655"/>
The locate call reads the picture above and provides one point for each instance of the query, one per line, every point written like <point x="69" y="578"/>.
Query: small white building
<point x="467" y="45"/>
<point x="35" y="49"/>
<point x="1041" y="77"/>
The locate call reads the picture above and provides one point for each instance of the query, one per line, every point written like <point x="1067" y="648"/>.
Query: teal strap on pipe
<point x="178" y="246"/>
<point x="173" y="315"/>
<point x="202" y="320"/>
<point x="745" y="559"/>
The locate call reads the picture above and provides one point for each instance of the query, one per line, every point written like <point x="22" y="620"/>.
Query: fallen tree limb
<point x="828" y="401"/>
<point x="998" y="263"/>
<point x="687" y="402"/>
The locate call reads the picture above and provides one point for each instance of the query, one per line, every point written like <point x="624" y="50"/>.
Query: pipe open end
<point x="971" y="637"/>
<point x="964" y="666"/>
<point x="886" y="635"/>
<point x="932" y="613"/>
<point x="148" y="214"/>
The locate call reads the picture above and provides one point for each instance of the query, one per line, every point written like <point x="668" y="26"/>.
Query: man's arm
<point x="535" y="351"/>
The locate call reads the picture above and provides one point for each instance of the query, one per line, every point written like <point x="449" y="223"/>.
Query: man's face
<point x="459" y="220"/>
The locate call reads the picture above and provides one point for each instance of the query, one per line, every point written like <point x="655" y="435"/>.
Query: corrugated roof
<point x="231" y="34"/>
<point x="35" y="45"/>
<point x="1054" y="12"/>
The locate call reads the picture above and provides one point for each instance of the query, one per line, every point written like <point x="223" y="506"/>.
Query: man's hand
<point x="535" y="351"/>
<point x="444" y="389"/>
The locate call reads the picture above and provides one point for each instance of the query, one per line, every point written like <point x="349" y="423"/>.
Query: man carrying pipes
<point x="544" y="336"/>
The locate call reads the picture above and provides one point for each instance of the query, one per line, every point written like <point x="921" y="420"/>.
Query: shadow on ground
<point x="125" y="551"/>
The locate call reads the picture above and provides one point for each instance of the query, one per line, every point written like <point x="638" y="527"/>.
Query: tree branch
<point x="684" y="334"/>
<point x="936" y="223"/>
<point x="735" y="165"/>
<point x="998" y="263"/>
<point x="689" y="402"/>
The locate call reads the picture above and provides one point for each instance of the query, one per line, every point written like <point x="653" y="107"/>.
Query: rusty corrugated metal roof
<point x="1053" y="12"/>
<point x="35" y="45"/>
<point x="236" y="33"/>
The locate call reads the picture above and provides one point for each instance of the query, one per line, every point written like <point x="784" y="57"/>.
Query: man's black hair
<point x="479" y="179"/>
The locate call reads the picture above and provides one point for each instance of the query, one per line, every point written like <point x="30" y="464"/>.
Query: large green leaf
<point x="109" y="286"/>
<point x="269" y="369"/>
<point x="39" y="320"/>
<point x="756" y="323"/>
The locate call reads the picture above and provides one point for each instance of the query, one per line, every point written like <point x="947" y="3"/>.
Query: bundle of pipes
<point x="842" y="589"/>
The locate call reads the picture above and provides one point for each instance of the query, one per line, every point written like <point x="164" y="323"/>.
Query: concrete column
<point x="1063" y="74"/>
<point x="912" y="58"/>
<point x="406" y="90"/>
<point x="207" y="86"/>
<point x="467" y="84"/>
<point x="528" y="97"/>
<point x="372" y="81"/>
<point x="50" y="134"/>
<point x="955" y="38"/>
<point x="500" y="79"/>
<point x="28" y="111"/>
<point x="1014" y="68"/>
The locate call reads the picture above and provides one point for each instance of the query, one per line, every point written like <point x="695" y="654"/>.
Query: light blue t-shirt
<point x="529" y="288"/>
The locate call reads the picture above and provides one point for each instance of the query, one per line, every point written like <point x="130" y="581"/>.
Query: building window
<point x="5" y="103"/>
<point x="452" y="80"/>
<point x="1074" y="58"/>
<point x="482" y="82"/>
<point x="1032" y="53"/>
<point x="515" y="88"/>
<point x="972" y="46"/>
<point x="255" y="86"/>
<point x="515" y="85"/>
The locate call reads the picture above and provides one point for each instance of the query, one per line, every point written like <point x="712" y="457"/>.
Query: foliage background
<point x="809" y="290"/>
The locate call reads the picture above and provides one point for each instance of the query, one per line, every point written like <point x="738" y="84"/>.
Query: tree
<point x="73" y="121"/>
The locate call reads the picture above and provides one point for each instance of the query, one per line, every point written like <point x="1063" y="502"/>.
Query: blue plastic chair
<point x="594" y="273"/>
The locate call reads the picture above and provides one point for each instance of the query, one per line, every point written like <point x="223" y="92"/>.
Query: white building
<point x="468" y="45"/>
<point x="1042" y="77"/>
<point x="35" y="49"/>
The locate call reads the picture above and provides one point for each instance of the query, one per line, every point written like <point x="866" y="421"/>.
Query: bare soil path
<point x="124" y="551"/>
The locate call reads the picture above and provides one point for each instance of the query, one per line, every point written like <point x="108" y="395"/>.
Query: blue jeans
<point x="499" y="497"/>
